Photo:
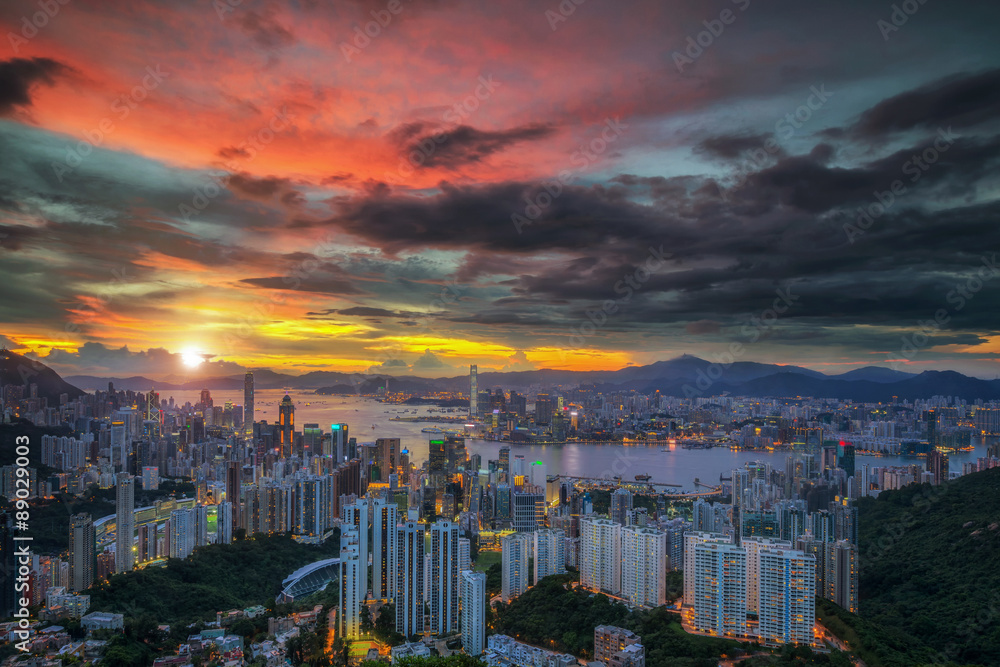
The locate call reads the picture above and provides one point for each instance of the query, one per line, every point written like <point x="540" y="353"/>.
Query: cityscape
<point x="524" y="334"/>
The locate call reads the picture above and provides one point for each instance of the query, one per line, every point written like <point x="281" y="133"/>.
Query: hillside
<point x="929" y="566"/>
<point x="20" y="370"/>
<point x="214" y="578"/>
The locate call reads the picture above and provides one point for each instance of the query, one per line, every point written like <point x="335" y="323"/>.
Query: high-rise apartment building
<point x="720" y="589"/>
<point x="358" y="515"/>
<point x="353" y="587"/>
<point x="124" y="522"/>
<point x="787" y="596"/>
<point x="385" y="516"/>
<point x="82" y="548"/>
<point x="464" y="554"/>
<point x="410" y="579"/>
<point x="644" y="553"/>
<point x="473" y="612"/>
<point x="753" y="547"/>
<point x="549" y="552"/>
<point x="516" y="552"/>
<point x="444" y="577"/>
<point x="691" y="540"/>
<point x="600" y="554"/>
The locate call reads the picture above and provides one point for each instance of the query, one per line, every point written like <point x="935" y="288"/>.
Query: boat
<point x="643" y="478"/>
<point x="431" y="429"/>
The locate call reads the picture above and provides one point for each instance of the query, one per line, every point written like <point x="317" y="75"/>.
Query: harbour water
<point x="676" y="466"/>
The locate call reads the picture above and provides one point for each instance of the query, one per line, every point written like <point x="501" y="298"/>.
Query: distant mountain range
<point x="684" y="376"/>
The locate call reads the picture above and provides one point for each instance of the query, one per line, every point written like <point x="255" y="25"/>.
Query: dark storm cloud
<point x="461" y="145"/>
<point x="18" y="75"/>
<point x="962" y="100"/>
<point x="314" y="284"/>
<point x="730" y="146"/>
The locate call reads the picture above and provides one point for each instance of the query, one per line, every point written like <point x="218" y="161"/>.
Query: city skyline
<point x="414" y="191"/>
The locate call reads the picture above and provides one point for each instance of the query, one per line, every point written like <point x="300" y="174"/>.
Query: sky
<point x="410" y="186"/>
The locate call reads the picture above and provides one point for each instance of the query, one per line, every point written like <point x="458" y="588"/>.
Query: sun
<point x="192" y="358"/>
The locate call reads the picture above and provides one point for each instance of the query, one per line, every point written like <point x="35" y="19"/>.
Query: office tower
<point x="753" y="546"/>
<point x="312" y="438"/>
<point x="719" y="589"/>
<point x="787" y="592"/>
<point x="234" y="485"/>
<point x="549" y="552"/>
<point x="609" y="640"/>
<point x="353" y="588"/>
<point x="286" y="426"/>
<point x="385" y="516"/>
<point x="444" y="577"/>
<point x="358" y="515"/>
<point x="930" y="417"/>
<point x="437" y="456"/>
<point x="125" y="522"/>
<point x="473" y="612"/>
<point x="691" y="540"/>
<point x="464" y="554"/>
<point x="537" y="474"/>
<point x="82" y="548"/>
<point x="600" y="554"/>
<point x="643" y="553"/>
<point x="516" y="552"/>
<point x="840" y="576"/>
<point x="145" y="542"/>
<point x="846" y="458"/>
<point x="248" y="414"/>
<point x="621" y="503"/>
<point x="529" y="511"/>
<point x="544" y="407"/>
<point x="386" y="452"/>
<point x="937" y="465"/>
<point x="337" y="447"/>
<point x="410" y="579"/>
<point x="473" y="392"/>
<point x="224" y="523"/>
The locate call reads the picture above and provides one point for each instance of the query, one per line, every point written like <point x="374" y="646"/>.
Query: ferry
<point x="431" y="429"/>
<point x="643" y="478"/>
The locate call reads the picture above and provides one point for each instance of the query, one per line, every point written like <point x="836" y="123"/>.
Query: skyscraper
<point x="444" y="577"/>
<point x="358" y="516"/>
<point x="528" y="510"/>
<point x="410" y="579"/>
<point x="516" y="551"/>
<point x="691" y="540"/>
<point x="125" y="522"/>
<point x="248" y="414"/>
<point x="550" y="553"/>
<point x="719" y="589"/>
<point x="384" y="520"/>
<point x="353" y="588"/>
<point x="621" y="503"/>
<point x="338" y="443"/>
<point x="600" y="554"/>
<point x="286" y="426"/>
<point x="234" y="485"/>
<point x="643" y="553"/>
<point x="754" y="546"/>
<point x="82" y="552"/>
<point x="464" y="554"/>
<point x="787" y="592"/>
<point x="937" y="465"/>
<point x="387" y="453"/>
<point x="840" y="576"/>
<point x="473" y="392"/>
<point x="473" y="612"/>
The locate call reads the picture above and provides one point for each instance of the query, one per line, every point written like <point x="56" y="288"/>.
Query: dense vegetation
<point x="214" y="578"/>
<point x="929" y="575"/>
<point x="561" y="618"/>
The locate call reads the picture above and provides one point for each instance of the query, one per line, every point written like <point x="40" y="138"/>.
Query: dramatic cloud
<point x="19" y="75"/>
